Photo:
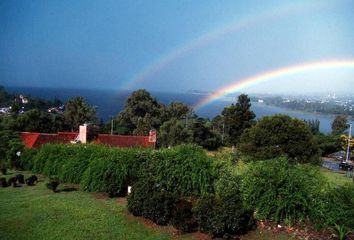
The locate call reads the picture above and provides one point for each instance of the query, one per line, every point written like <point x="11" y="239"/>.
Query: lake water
<point x="110" y="102"/>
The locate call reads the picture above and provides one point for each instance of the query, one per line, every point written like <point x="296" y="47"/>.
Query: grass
<point x="337" y="178"/>
<point x="38" y="213"/>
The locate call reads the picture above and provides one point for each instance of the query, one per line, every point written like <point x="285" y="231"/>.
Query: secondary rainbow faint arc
<point x="271" y="75"/>
<point x="210" y="36"/>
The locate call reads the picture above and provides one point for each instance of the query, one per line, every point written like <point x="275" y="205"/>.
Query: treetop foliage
<point x="280" y="135"/>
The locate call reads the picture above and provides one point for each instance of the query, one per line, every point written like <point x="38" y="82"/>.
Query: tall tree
<point x="340" y="124"/>
<point x="237" y="118"/>
<point x="138" y="104"/>
<point x="77" y="112"/>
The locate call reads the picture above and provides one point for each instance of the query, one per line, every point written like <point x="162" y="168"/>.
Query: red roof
<point x="124" y="141"/>
<point x="34" y="140"/>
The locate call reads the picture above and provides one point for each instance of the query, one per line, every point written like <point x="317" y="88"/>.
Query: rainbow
<point x="272" y="75"/>
<point x="210" y="36"/>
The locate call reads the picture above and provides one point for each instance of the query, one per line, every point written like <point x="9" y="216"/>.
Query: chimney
<point x="152" y="136"/>
<point x="83" y="131"/>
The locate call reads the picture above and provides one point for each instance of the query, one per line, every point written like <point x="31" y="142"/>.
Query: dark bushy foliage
<point x="149" y="200"/>
<point x="224" y="213"/>
<point x="335" y="207"/>
<point x="328" y="143"/>
<point x="222" y="217"/>
<point x="32" y="180"/>
<point x="277" y="136"/>
<point x="281" y="191"/>
<point x="182" y="216"/>
<point x="53" y="184"/>
<point x="185" y="170"/>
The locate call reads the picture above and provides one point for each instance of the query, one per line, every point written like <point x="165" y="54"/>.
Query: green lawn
<point x="38" y="213"/>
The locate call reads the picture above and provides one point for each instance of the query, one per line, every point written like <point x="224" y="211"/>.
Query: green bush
<point x="27" y="158"/>
<point x="78" y="160"/>
<point x="185" y="170"/>
<point x="222" y="217"/>
<point x="335" y="207"/>
<point x="50" y="158"/>
<point x="114" y="171"/>
<point x="147" y="199"/>
<point x="280" y="191"/>
<point x="328" y="143"/>
<point x="224" y="213"/>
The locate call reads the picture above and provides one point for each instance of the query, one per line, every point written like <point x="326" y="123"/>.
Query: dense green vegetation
<point x="277" y="136"/>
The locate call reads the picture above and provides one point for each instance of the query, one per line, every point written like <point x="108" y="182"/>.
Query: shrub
<point x="27" y="158"/>
<point x="224" y="213"/>
<point x="115" y="171"/>
<point x="53" y="184"/>
<point x="280" y="191"/>
<point x="182" y="216"/>
<point x="185" y="170"/>
<point x="328" y="143"/>
<point x="335" y="206"/>
<point x="76" y="163"/>
<point x="50" y="158"/>
<point x="149" y="200"/>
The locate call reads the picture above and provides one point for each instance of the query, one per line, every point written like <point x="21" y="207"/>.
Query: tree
<point x="203" y="135"/>
<point x="144" y="125"/>
<point x="34" y="120"/>
<point x="328" y="143"/>
<point x="314" y="125"/>
<point x="277" y="136"/>
<point x="219" y="127"/>
<point x="78" y="112"/>
<point x="339" y="125"/>
<point x="10" y="145"/>
<point x="237" y="118"/>
<point x="177" y="110"/>
<point x="138" y="104"/>
<point x="174" y="132"/>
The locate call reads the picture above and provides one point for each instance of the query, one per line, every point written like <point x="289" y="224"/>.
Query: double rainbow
<point x="272" y="75"/>
<point x="212" y="35"/>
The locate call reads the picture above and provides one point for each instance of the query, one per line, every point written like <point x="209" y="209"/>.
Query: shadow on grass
<point x="70" y="189"/>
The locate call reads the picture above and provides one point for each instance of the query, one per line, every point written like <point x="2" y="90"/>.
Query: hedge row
<point x="185" y="169"/>
<point x="97" y="168"/>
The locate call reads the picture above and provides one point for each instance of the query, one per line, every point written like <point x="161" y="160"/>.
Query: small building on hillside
<point x="35" y="140"/>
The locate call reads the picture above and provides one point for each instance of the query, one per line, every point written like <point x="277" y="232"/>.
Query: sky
<point x="176" y="46"/>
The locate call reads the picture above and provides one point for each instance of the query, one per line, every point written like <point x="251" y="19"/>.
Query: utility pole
<point x="349" y="141"/>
